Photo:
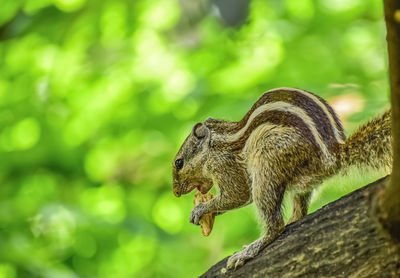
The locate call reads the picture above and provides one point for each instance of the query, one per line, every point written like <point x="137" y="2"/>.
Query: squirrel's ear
<point x="200" y="130"/>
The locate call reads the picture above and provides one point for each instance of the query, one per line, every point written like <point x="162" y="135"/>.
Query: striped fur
<point x="308" y="113"/>
<point x="333" y="118"/>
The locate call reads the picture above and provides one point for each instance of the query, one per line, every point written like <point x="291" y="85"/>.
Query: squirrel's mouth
<point x="199" y="186"/>
<point x="192" y="187"/>
<point x="203" y="189"/>
<point x="186" y="187"/>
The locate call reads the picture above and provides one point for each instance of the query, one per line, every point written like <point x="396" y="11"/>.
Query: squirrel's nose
<point x="177" y="193"/>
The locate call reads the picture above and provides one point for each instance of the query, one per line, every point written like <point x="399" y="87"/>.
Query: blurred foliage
<point x="97" y="96"/>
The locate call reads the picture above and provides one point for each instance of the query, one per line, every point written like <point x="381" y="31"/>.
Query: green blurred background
<point x="97" y="96"/>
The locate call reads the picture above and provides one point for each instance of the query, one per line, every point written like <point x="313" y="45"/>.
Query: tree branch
<point x="342" y="239"/>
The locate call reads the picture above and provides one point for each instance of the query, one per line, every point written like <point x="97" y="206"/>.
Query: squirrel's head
<point x="190" y="162"/>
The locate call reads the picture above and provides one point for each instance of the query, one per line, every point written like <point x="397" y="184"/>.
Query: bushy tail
<point x="370" y="146"/>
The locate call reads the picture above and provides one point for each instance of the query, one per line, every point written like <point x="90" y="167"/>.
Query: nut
<point x="207" y="221"/>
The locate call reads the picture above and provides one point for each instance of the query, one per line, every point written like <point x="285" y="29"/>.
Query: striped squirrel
<point x="289" y="140"/>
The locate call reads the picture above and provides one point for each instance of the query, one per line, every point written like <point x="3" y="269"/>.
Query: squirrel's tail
<point x="370" y="146"/>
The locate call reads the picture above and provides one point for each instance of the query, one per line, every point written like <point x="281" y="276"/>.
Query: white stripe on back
<point x="320" y="104"/>
<point x="284" y="107"/>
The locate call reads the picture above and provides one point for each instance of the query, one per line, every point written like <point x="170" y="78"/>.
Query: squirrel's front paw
<point x="196" y="213"/>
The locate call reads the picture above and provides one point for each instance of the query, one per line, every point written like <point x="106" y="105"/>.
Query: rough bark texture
<point x="342" y="239"/>
<point x="388" y="208"/>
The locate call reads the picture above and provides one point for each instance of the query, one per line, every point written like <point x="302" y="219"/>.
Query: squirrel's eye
<point x="179" y="164"/>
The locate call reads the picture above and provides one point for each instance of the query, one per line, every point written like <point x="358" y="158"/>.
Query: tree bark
<point x="388" y="201"/>
<point x="342" y="239"/>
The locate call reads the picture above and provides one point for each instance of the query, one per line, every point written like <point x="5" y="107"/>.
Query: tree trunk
<point x="388" y="201"/>
<point x="342" y="239"/>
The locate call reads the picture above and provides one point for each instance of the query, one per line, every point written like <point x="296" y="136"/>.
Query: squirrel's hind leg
<point x="300" y="206"/>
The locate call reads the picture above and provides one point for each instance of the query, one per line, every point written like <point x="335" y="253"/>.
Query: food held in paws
<point x="207" y="221"/>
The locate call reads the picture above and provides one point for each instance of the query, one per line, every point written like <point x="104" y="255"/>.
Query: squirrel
<point x="290" y="140"/>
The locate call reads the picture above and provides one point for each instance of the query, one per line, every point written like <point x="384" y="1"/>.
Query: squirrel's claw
<point x="196" y="214"/>
<point x="238" y="259"/>
<point x="247" y="253"/>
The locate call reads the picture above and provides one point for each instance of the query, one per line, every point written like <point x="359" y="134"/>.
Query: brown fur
<point x="275" y="153"/>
